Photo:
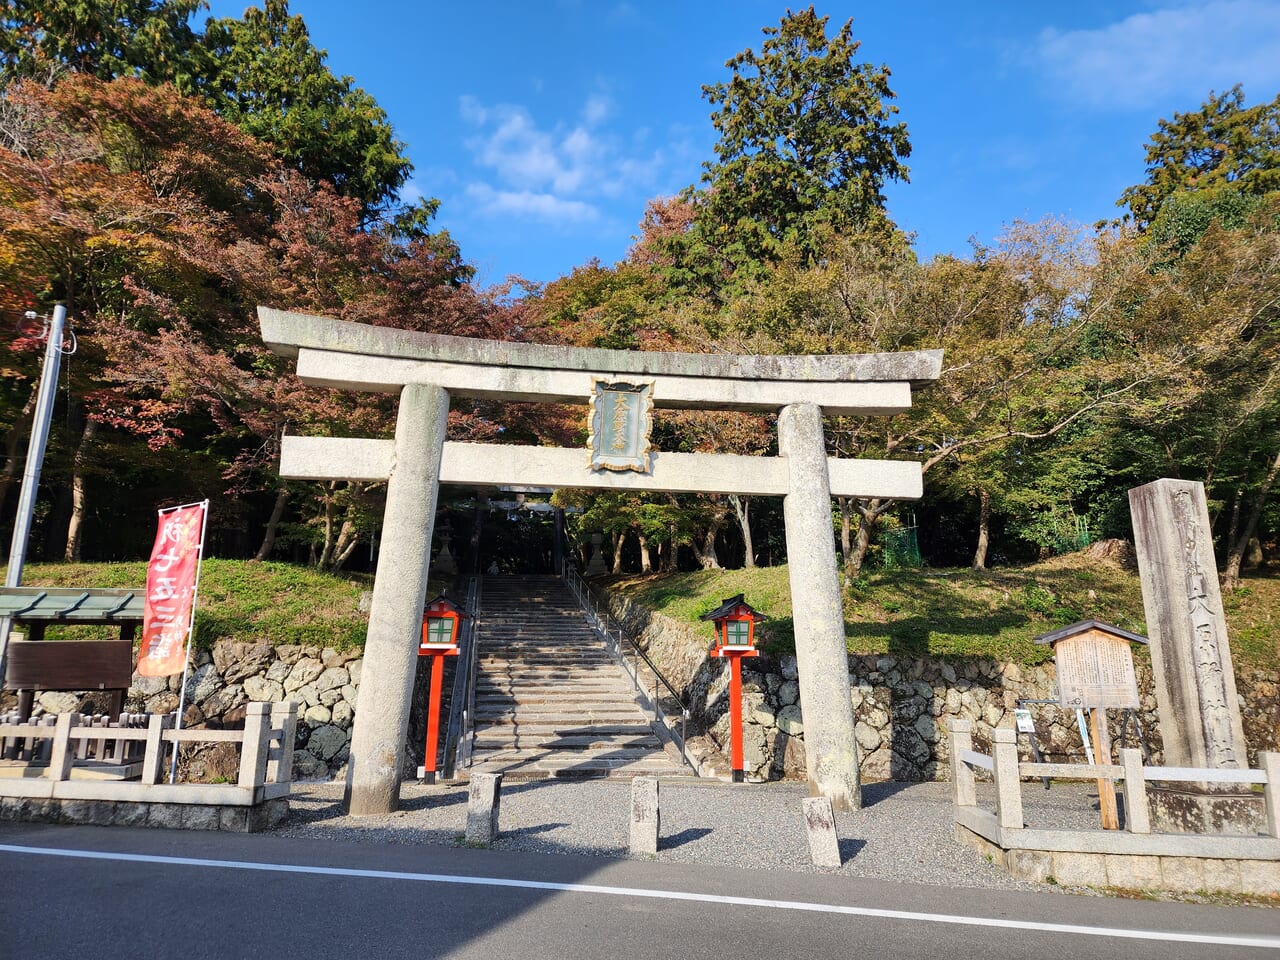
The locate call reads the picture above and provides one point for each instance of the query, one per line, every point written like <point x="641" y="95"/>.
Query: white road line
<point x="1169" y="936"/>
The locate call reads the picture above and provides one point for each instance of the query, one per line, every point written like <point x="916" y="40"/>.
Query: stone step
<point x="615" y="754"/>
<point x="602" y="683"/>
<point x="503" y="699"/>
<point x="569" y="708"/>
<point x="523" y="741"/>
<point x="556" y="713"/>
<point x="551" y="700"/>
<point x="569" y="729"/>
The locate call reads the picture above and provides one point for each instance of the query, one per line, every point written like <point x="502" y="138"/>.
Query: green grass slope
<point x="276" y="602"/>
<point x="961" y="613"/>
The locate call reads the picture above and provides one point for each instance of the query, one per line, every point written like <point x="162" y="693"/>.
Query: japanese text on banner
<point x="171" y="579"/>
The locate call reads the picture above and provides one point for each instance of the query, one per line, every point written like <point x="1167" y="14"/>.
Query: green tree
<point x="263" y="74"/>
<point x="142" y="38"/>
<point x="1222" y="146"/>
<point x="807" y="142"/>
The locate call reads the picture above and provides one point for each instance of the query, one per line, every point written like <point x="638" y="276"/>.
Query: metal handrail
<point x="458" y="732"/>
<point x="600" y="624"/>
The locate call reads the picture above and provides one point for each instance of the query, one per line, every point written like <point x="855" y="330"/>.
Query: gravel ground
<point x="903" y="831"/>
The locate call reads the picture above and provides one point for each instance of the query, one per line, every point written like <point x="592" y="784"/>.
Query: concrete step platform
<point x="546" y="768"/>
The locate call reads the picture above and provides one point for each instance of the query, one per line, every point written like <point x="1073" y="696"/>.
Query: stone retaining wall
<point x="323" y="681"/>
<point x="901" y="704"/>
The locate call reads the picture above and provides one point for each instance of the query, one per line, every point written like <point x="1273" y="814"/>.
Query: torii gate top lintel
<point x="287" y="333"/>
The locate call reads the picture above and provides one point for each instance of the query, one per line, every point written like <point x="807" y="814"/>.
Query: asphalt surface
<point x="94" y="892"/>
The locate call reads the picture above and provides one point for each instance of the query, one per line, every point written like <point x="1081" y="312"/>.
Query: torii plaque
<point x="426" y="368"/>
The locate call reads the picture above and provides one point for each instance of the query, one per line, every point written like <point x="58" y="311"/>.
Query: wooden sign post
<point x="1095" y="671"/>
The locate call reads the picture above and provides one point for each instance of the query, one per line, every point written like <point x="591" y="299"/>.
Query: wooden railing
<point x="51" y="752"/>
<point x="1007" y="773"/>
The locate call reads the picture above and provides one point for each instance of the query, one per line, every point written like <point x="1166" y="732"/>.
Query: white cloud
<point x="596" y="109"/>
<point x="1175" y="53"/>
<point x="527" y="203"/>
<point x="556" y="173"/>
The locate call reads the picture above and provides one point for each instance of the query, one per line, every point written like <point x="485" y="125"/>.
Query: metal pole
<point x="45" y="394"/>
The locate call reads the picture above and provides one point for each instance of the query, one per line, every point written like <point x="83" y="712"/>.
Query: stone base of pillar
<point x="1175" y="810"/>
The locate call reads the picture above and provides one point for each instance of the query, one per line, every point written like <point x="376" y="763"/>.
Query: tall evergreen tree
<point x="807" y="142"/>
<point x="263" y="74"/>
<point x="1222" y="147"/>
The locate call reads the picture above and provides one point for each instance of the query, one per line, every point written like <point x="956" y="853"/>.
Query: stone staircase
<point x="550" y="699"/>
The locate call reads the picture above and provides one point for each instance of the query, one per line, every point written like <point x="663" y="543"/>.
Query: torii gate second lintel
<point x="426" y="368"/>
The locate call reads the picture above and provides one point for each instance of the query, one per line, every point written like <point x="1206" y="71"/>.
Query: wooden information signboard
<point x="1095" y="669"/>
<point x="1095" y="673"/>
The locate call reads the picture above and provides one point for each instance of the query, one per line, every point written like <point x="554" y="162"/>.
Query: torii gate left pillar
<point x="375" y="767"/>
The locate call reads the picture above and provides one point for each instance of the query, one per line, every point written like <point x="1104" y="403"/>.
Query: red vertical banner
<point x="171" y="591"/>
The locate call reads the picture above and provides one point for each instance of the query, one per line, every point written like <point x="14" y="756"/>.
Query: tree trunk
<point x="846" y="527"/>
<point x="646" y="561"/>
<point x="741" y="508"/>
<point x="984" y="530"/>
<point x="75" y="527"/>
<point x="669" y="554"/>
<point x="867" y="516"/>
<point x="1236" y="556"/>
<point x="618" y="540"/>
<point x="326" y="551"/>
<point x="348" y="537"/>
<point x="273" y="524"/>
<point x="348" y="540"/>
<point x="706" y="552"/>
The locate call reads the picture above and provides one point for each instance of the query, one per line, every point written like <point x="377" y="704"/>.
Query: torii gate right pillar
<point x="831" y="753"/>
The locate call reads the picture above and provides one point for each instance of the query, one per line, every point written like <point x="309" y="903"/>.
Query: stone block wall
<point x="324" y="682"/>
<point x="901" y="705"/>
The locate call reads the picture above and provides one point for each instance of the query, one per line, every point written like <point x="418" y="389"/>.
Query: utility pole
<point x="45" y="394"/>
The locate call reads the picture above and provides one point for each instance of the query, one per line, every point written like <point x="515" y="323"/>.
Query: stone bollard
<point x="645" y="816"/>
<point x="483" y="799"/>
<point x="820" y="826"/>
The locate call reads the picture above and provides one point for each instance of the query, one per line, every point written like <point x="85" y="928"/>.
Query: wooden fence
<point x="51" y="754"/>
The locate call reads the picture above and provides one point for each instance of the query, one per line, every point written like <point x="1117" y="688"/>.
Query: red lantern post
<point x="439" y="640"/>
<point x="735" y="622"/>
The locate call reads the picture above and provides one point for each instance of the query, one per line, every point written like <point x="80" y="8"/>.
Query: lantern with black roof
<point x="735" y="622"/>
<point x="440" y="621"/>
<point x="735" y="625"/>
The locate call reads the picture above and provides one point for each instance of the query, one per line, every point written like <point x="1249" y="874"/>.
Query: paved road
<point x="86" y="892"/>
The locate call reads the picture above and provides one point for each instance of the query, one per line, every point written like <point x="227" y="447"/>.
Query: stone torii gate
<point x="621" y="388"/>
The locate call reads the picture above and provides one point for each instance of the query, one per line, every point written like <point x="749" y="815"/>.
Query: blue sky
<point x="544" y="126"/>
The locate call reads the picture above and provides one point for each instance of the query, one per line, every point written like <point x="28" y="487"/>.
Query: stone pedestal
<point x="1182" y="808"/>
<point x="1191" y="660"/>
<point x="444" y="565"/>
<point x="831" y="753"/>
<point x="395" y="614"/>
<point x="596" y="566"/>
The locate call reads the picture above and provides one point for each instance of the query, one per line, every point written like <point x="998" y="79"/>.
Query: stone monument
<point x="1191" y="660"/>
